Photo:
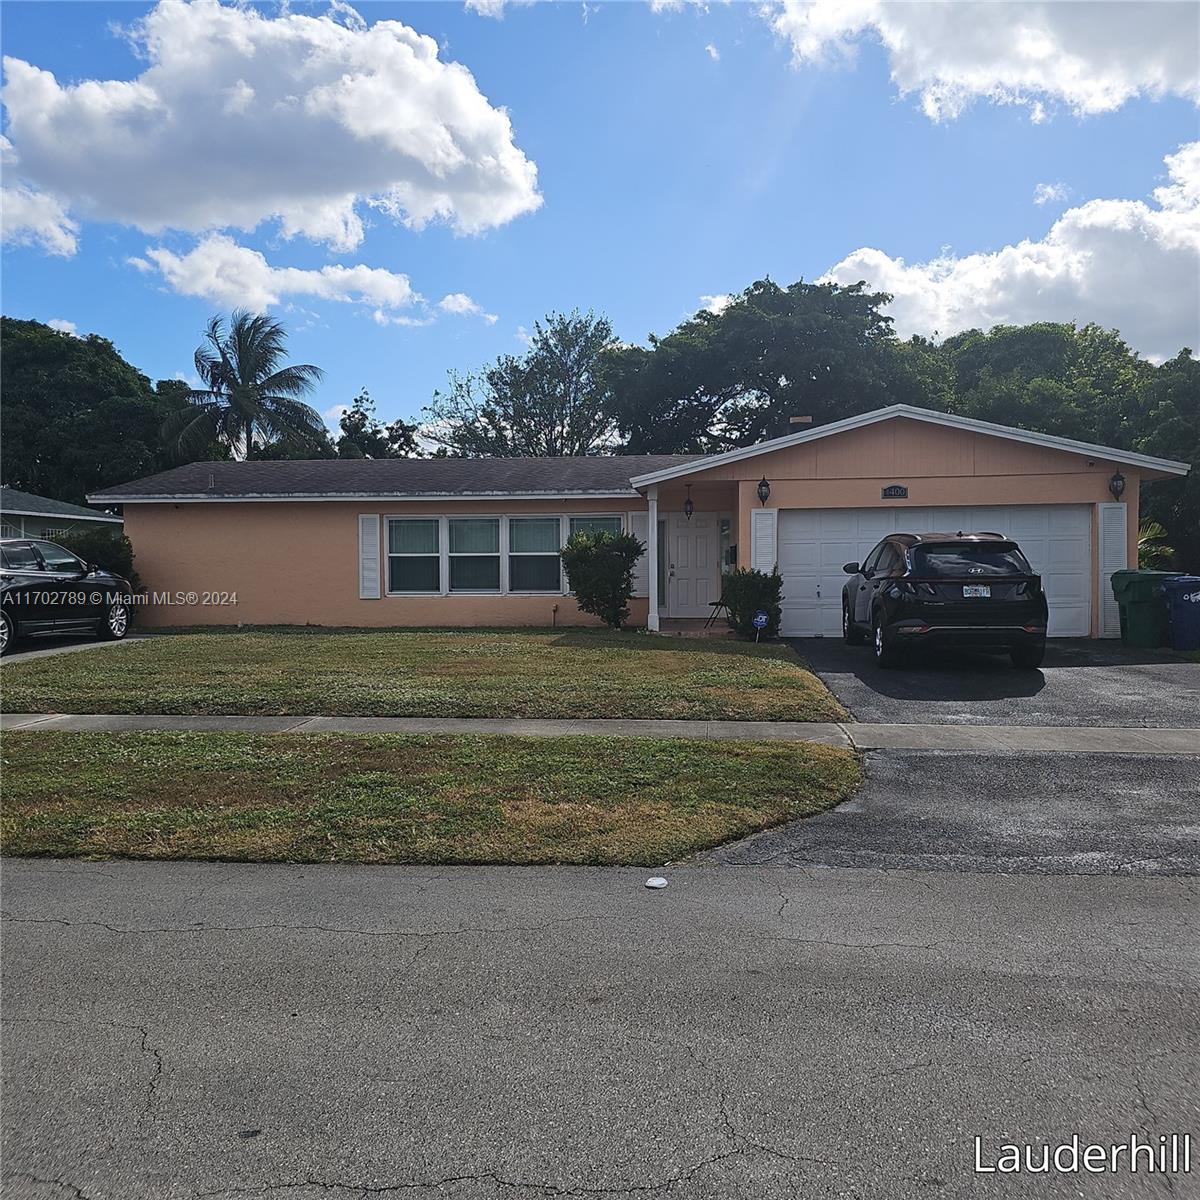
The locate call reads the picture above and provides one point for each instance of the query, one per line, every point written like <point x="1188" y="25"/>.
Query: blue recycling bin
<point x="1182" y="595"/>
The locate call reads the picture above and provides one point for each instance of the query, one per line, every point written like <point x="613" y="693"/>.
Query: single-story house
<point x="24" y="515"/>
<point x="475" y="541"/>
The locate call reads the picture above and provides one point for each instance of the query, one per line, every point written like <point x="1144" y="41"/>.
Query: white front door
<point x="814" y="543"/>
<point x="693" y="569"/>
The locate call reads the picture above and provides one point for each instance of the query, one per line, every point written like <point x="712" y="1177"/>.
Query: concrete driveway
<point x="1081" y="683"/>
<point x="185" y="1029"/>
<point x="1056" y="814"/>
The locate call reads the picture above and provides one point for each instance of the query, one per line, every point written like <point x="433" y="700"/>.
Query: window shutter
<point x="1114" y="552"/>
<point x="639" y="526"/>
<point x="368" y="556"/>
<point x="763" y="554"/>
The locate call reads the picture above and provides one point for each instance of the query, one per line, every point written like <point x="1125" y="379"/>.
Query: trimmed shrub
<point x="746" y="592"/>
<point x="111" y="551"/>
<point x="599" y="570"/>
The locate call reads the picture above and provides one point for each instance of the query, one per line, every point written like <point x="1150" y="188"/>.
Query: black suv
<point x="47" y="591"/>
<point x="946" y="589"/>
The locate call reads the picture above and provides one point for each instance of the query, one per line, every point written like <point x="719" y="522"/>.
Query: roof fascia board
<point x="356" y="497"/>
<point x="21" y="512"/>
<point x="950" y="420"/>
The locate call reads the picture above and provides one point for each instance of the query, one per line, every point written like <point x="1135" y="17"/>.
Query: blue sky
<point x="680" y="153"/>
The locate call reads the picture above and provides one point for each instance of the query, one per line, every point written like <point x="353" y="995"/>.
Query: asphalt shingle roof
<point x="397" y="477"/>
<point x="13" y="500"/>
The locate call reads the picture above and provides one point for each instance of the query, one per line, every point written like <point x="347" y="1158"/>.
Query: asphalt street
<point x="1081" y="683"/>
<point x="1057" y="814"/>
<point x="187" y="1029"/>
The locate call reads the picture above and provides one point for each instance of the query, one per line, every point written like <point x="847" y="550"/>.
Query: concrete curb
<point x="986" y="739"/>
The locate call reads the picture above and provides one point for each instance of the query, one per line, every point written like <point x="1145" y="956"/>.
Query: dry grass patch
<point x="582" y="674"/>
<point x="394" y="799"/>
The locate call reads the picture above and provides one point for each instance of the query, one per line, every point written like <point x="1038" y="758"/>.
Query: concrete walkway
<point x="980" y="738"/>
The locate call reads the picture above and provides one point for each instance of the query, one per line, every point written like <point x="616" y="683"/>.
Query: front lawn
<point x="440" y="673"/>
<point x="394" y="799"/>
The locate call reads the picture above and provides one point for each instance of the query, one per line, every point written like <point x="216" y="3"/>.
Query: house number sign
<point x="895" y="491"/>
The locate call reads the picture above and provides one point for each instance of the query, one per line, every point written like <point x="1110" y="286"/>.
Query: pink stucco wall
<point x="297" y="563"/>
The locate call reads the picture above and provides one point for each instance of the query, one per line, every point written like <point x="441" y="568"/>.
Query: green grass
<point x="395" y="799"/>
<point x="413" y="673"/>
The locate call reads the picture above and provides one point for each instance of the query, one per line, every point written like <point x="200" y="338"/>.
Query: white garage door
<point x="814" y="543"/>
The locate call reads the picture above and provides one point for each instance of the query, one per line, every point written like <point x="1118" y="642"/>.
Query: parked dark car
<point x="46" y="591"/>
<point x="946" y="589"/>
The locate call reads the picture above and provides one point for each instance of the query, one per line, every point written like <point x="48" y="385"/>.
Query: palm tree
<point x="1153" y="551"/>
<point x="247" y="391"/>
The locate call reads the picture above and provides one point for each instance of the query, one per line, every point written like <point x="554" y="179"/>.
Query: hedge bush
<point x="600" y="572"/>
<point x="746" y="592"/>
<point x="111" y="551"/>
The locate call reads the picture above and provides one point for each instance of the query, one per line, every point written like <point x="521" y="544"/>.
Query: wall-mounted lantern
<point x="764" y="491"/>
<point x="688" y="506"/>
<point x="1116" y="485"/>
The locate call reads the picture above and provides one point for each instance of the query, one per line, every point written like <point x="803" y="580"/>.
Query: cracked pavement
<point x="1049" y="814"/>
<point x="187" y="1030"/>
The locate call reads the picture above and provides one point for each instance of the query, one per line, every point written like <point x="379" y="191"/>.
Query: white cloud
<point x="1050" y="193"/>
<point x="455" y="304"/>
<point x="460" y="304"/>
<point x="1126" y="264"/>
<point x="486" y="8"/>
<point x="241" y="118"/>
<point x="524" y="336"/>
<point x="716" y="304"/>
<point x="713" y="52"/>
<point x="1092" y="56"/>
<point x="334" y="415"/>
<point x="234" y="276"/>
<point x="30" y="217"/>
<point x="62" y="326"/>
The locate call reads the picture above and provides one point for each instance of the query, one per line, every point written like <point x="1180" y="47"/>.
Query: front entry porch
<point x="691" y="554"/>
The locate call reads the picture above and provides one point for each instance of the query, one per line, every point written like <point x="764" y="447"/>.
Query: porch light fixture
<point x="688" y="506"/>
<point x="1116" y="485"/>
<point x="764" y="491"/>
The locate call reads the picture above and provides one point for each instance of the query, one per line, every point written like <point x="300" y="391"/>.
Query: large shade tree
<point x="250" y="399"/>
<point x="739" y="376"/>
<point x="548" y="401"/>
<point x="76" y="417"/>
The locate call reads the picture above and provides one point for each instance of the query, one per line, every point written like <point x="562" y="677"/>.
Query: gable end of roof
<point x="949" y="420"/>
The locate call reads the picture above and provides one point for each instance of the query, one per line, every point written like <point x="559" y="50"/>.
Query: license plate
<point x="976" y="589"/>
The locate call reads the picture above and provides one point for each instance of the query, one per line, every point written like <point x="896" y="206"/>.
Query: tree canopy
<point x="251" y="397"/>
<point x="549" y="401"/>
<point x="76" y="416"/>
<point x="736" y="377"/>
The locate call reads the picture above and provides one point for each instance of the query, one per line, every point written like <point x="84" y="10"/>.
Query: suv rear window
<point x="953" y="562"/>
<point x="20" y="558"/>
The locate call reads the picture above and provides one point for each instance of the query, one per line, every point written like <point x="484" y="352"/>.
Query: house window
<point x="414" y="564"/>
<point x="474" y="554"/>
<point x="595" y="524"/>
<point x="533" y="562"/>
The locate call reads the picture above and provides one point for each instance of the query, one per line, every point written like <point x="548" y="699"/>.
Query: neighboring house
<point x="22" y="514"/>
<point x="475" y="541"/>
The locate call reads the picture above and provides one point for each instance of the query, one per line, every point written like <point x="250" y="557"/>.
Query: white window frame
<point x="619" y="516"/>
<point x="502" y="545"/>
<point x="444" y="555"/>
<point x="562" y="541"/>
<point x="388" y="555"/>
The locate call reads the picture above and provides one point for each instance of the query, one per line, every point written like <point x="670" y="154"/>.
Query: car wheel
<point x="116" y="622"/>
<point x="851" y="634"/>
<point x="7" y="634"/>
<point x="1028" y="658"/>
<point x="885" y="652"/>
